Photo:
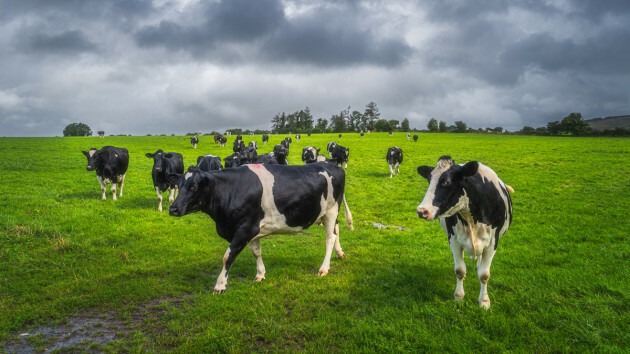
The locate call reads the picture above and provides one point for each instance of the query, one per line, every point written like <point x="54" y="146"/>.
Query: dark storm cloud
<point x="76" y="10"/>
<point x="322" y="37"/>
<point x="66" y="43"/>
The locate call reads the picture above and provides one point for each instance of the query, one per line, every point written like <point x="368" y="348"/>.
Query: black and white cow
<point x="265" y="139"/>
<point x="394" y="159"/>
<point x="287" y="142"/>
<point x="339" y="136"/>
<point x="475" y="210"/>
<point x="217" y="137"/>
<point x="250" y="153"/>
<point x="111" y="165"/>
<point x="165" y="163"/>
<point x="194" y="141"/>
<point x="209" y="163"/>
<point x="415" y="138"/>
<point x="101" y="133"/>
<point x="309" y="154"/>
<point x="238" y="146"/>
<point x="234" y="160"/>
<point x="297" y="138"/>
<point x="280" y="152"/>
<point x="244" y="215"/>
<point x="391" y="133"/>
<point x="330" y="147"/>
<point x="222" y="141"/>
<point x="408" y="136"/>
<point x="362" y="133"/>
<point x="339" y="155"/>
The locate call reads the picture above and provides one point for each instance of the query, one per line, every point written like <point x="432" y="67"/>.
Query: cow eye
<point x="446" y="183"/>
<point x="193" y="189"/>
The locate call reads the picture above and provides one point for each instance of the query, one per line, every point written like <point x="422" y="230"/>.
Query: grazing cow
<point x="339" y="155"/>
<point x="394" y="159"/>
<point x="238" y="146"/>
<point x="280" y="152"/>
<point x="222" y="141"/>
<point x="415" y="138"/>
<point x="228" y="133"/>
<point x="244" y="215"/>
<point x="309" y="134"/>
<point x="165" y="163"/>
<point x="408" y="136"/>
<point x="265" y="139"/>
<point x="209" y="163"/>
<point x="234" y="160"/>
<point x="217" y="137"/>
<point x="475" y="210"/>
<point x="309" y="154"/>
<point x="194" y="141"/>
<point x="251" y="134"/>
<point x="339" y="136"/>
<point x="330" y="147"/>
<point x="297" y="138"/>
<point x="111" y="165"/>
<point x="101" y="133"/>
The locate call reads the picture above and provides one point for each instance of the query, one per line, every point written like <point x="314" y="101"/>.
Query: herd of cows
<point x="472" y="204"/>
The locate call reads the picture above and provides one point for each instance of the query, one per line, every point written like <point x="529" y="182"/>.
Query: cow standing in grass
<point x="309" y="154"/>
<point x="165" y="163"/>
<point x="265" y="139"/>
<point x="475" y="210"/>
<point x="394" y="159"/>
<point x="415" y="138"/>
<point x="111" y="165"/>
<point x="245" y="215"/>
<point x="194" y="141"/>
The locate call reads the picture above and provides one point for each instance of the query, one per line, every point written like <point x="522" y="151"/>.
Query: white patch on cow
<point x="427" y="201"/>
<point x="187" y="175"/>
<point x="92" y="152"/>
<point x="328" y="201"/>
<point x="273" y="221"/>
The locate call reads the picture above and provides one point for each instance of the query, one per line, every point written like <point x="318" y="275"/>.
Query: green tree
<point x="442" y="127"/>
<point x="338" y="121"/>
<point x="77" y="129"/>
<point x="460" y="127"/>
<point x="554" y="128"/>
<point x="433" y="125"/>
<point x="573" y="124"/>
<point x="354" y="120"/>
<point x="393" y="124"/>
<point x="278" y="123"/>
<point x="371" y="115"/>
<point x="382" y="125"/>
<point x="404" y="126"/>
<point x="321" y="124"/>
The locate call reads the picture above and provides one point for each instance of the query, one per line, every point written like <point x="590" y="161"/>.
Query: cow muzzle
<point x="426" y="214"/>
<point x="89" y="168"/>
<point x="174" y="211"/>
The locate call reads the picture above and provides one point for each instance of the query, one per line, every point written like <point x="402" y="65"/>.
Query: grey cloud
<point x="66" y="43"/>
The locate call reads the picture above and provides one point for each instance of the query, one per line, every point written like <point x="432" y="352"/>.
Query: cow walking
<point x="475" y="210"/>
<point x="165" y="163"/>
<point x="408" y="136"/>
<point x="265" y="138"/>
<point x="111" y="165"/>
<point x="415" y="138"/>
<point x="194" y="141"/>
<point x="394" y="159"/>
<point x="245" y="215"/>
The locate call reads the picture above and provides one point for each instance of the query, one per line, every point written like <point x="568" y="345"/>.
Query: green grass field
<point x="559" y="280"/>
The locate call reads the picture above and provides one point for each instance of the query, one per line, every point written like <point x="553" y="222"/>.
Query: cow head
<point x="234" y="160"/>
<point x="445" y="195"/>
<point x="92" y="157"/>
<point x="158" y="159"/>
<point x="193" y="186"/>
<point x="340" y="154"/>
<point x="250" y="153"/>
<point x="309" y="154"/>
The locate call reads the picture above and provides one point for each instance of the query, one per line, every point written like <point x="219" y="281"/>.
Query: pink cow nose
<point x="423" y="213"/>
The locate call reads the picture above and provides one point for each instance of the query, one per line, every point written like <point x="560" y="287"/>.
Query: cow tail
<point x="348" y="213"/>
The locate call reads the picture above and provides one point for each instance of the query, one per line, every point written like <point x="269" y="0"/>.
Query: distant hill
<point x="609" y="122"/>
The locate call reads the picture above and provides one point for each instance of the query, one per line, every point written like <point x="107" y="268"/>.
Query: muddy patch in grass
<point x="92" y="330"/>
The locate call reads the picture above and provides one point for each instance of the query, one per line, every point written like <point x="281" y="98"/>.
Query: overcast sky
<point x="177" y="66"/>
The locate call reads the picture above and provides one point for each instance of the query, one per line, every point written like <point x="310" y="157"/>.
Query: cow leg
<point x="391" y="171"/>
<point x="103" y="187"/>
<point x="113" y="189"/>
<point x="171" y="195"/>
<point x="398" y="169"/>
<point x="159" y="195"/>
<point x="460" y="268"/>
<point x="235" y="248"/>
<point x="329" y="227"/>
<point x="338" y="249"/>
<point x="254" y="246"/>
<point x="121" y="184"/>
<point x="483" y="272"/>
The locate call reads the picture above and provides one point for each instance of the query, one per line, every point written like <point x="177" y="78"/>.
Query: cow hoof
<point x="322" y="273"/>
<point x="218" y="291"/>
<point x="484" y="303"/>
<point x="341" y="255"/>
<point x="459" y="297"/>
<point x="259" y="278"/>
<point x="171" y="200"/>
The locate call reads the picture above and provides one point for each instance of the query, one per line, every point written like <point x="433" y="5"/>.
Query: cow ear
<point x="168" y="156"/>
<point x="149" y="155"/>
<point x="174" y="177"/>
<point x="425" y="171"/>
<point x="87" y="154"/>
<point x="347" y="151"/>
<point x="470" y="168"/>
